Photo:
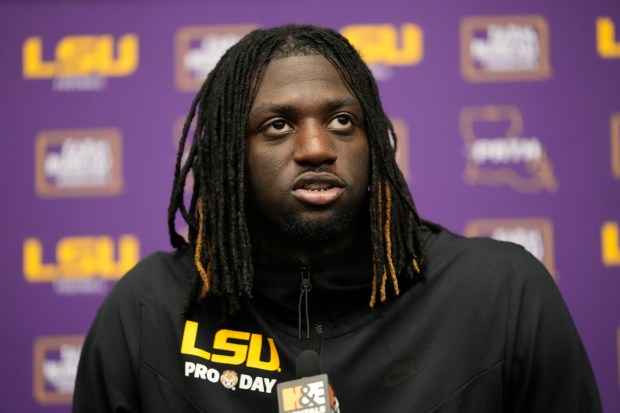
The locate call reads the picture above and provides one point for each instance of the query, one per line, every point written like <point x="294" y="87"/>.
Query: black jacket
<point x="485" y="331"/>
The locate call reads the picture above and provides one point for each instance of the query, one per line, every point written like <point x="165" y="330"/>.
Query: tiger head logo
<point x="229" y="379"/>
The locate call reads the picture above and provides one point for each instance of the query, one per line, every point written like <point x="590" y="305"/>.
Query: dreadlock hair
<point x="218" y="232"/>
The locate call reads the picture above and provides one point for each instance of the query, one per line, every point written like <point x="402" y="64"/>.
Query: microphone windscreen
<point x="308" y="364"/>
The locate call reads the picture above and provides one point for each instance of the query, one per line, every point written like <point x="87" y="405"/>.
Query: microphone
<point x="310" y="392"/>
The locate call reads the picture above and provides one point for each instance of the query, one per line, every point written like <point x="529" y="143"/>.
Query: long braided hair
<point x="216" y="216"/>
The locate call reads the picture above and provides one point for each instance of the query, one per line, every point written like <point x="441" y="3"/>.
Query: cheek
<point x="264" y="171"/>
<point x="360" y="163"/>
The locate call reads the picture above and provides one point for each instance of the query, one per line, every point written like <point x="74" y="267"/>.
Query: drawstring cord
<point x="306" y="286"/>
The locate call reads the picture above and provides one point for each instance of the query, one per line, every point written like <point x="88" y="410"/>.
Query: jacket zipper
<point x="304" y="312"/>
<point x="306" y="286"/>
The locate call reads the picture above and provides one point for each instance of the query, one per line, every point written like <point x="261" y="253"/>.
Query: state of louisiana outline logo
<point x="199" y="48"/>
<point x="534" y="234"/>
<point x="79" y="163"/>
<point x="615" y="145"/>
<point x="503" y="156"/>
<point x="505" y="48"/>
<point x="54" y="369"/>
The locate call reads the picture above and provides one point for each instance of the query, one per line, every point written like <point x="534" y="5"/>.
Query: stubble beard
<point x="306" y="232"/>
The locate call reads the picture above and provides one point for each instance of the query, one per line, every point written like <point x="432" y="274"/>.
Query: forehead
<point x="301" y="78"/>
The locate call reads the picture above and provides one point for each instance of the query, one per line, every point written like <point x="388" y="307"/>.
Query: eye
<point x="341" y="122"/>
<point x="277" y="127"/>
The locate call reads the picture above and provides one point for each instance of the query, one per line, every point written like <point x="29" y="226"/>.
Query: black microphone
<point x="310" y="392"/>
<point x="308" y="364"/>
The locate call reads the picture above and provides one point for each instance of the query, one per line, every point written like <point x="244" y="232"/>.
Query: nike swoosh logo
<point x="401" y="372"/>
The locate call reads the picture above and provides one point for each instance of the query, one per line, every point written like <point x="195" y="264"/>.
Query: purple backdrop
<point x="509" y="116"/>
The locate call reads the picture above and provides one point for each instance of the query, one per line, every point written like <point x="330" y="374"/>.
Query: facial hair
<point x="311" y="233"/>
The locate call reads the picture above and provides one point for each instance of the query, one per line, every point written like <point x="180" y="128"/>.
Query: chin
<point x="311" y="231"/>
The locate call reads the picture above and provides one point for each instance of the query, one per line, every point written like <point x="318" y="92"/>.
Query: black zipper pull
<point x="306" y="286"/>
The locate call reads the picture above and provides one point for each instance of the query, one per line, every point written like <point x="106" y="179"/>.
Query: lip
<point x="320" y="197"/>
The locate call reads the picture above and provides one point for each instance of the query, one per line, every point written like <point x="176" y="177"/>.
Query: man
<point x="303" y="235"/>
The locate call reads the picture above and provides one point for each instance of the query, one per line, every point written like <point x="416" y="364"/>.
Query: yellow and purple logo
<point x="534" y="234"/>
<point x="81" y="62"/>
<point x="606" y="44"/>
<point x="610" y="243"/>
<point x="505" y="48"/>
<point x="55" y="366"/>
<point x="81" y="264"/>
<point x="499" y="153"/>
<point x="384" y="46"/>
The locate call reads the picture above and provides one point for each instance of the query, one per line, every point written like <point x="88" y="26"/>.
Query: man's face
<point x="306" y="151"/>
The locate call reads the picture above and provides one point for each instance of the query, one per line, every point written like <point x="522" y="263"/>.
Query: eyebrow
<point x="330" y="105"/>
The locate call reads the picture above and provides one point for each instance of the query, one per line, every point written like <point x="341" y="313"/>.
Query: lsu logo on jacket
<point x="232" y="347"/>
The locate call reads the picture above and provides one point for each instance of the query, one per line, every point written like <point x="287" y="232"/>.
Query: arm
<point x="107" y="373"/>
<point x="547" y="368"/>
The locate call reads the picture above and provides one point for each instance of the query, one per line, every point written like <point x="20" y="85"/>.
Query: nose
<point x="314" y="145"/>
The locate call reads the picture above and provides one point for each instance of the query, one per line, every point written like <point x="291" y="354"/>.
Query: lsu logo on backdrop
<point x="384" y="46"/>
<point x="606" y="44"/>
<point x="55" y="367"/>
<point x="199" y="48"/>
<point x="610" y="243"/>
<point x="81" y="264"/>
<point x="615" y="145"/>
<point x="79" y="163"/>
<point x="505" y="48"/>
<point x="534" y="234"/>
<point x="498" y="152"/>
<point x="81" y="62"/>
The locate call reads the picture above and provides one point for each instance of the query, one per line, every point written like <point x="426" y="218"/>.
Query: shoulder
<point x="483" y="262"/>
<point x="161" y="274"/>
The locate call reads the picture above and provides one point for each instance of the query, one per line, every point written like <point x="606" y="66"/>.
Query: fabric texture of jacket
<point x="485" y="331"/>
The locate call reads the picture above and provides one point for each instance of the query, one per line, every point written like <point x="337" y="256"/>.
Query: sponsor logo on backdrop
<point x="615" y="145"/>
<point x="385" y="46"/>
<point x="199" y="48"/>
<point x="81" y="62"/>
<point x="534" y="234"/>
<point x="499" y="153"/>
<point x="81" y="264"/>
<point x="55" y="366"/>
<point x="232" y="348"/>
<point x="610" y="243"/>
<point x="402" y="149"/>
<point x="79" y="162"/>
<point x="505" y="48"/>
<point x="607" y="45"/>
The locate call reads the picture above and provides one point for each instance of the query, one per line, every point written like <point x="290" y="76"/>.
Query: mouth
<point x="318" y="189"/>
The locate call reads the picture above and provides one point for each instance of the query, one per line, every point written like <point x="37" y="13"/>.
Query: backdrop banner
<point x="507" y="117"/>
